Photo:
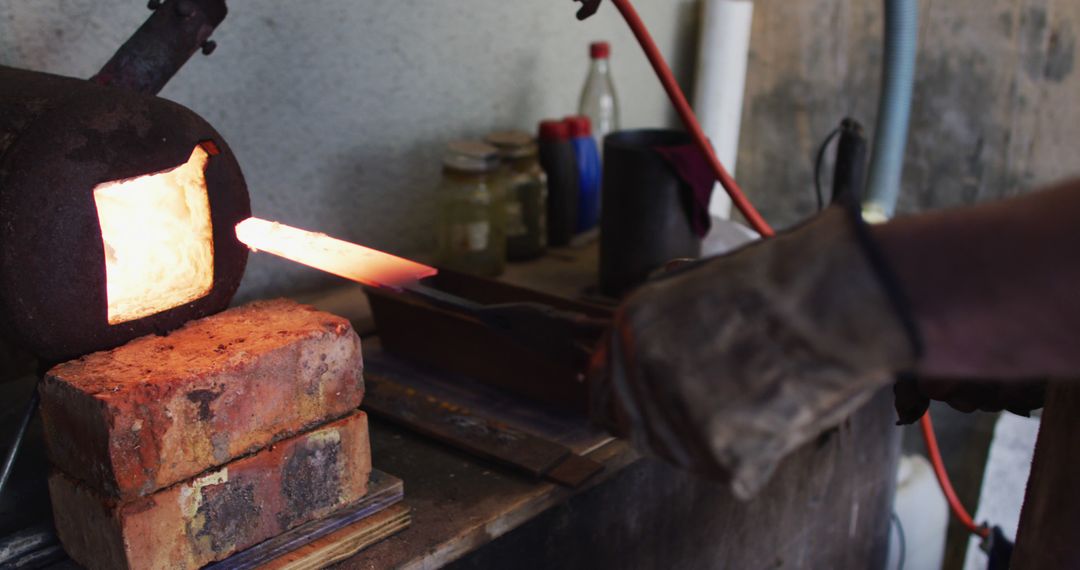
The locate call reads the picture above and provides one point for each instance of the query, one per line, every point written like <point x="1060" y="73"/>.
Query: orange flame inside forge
<point x="354" y="262"/>
<point x="158" y="238"/>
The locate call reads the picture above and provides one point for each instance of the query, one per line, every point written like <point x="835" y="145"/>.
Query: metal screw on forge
<point x="208" y="47"/>
<point x="185" y="9"/>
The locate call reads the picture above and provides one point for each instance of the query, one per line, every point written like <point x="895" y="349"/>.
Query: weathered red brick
<point x="221" y="512"/>
<point x="162" y="409"/>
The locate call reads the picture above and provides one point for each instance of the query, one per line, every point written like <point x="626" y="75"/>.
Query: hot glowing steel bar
<point x="320" y="251"/>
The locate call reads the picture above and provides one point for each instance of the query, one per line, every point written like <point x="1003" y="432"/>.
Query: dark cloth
<point x="698" y="181"/>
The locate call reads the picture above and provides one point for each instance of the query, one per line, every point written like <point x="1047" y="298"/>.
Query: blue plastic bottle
<point x="589" y="172"/>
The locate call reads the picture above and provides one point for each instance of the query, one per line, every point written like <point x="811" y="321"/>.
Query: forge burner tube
<point x="161" y="46"/>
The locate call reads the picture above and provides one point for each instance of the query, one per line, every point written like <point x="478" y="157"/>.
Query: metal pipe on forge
<point x="161" y="46"/>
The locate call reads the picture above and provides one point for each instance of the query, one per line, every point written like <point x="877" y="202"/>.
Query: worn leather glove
<point x="726" y="366"/>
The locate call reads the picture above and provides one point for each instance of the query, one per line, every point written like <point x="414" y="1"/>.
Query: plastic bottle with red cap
<point x="557" y="160"/>
<point x="587" y="156"/>
<point x="598" y="100"/>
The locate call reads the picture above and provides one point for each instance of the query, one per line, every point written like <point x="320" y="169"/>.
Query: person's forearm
<point x="994" y="289"/>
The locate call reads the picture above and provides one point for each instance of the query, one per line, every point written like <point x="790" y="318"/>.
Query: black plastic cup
<point x="646" y="207"/>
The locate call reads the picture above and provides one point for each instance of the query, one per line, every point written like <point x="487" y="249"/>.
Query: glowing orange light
<point x="320" y="251"/>
<point x="159" y="244"/>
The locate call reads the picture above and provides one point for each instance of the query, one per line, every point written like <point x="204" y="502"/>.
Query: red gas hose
<point x="943" y="479"/>
<point x="678" y="99"/>
<point x="688" y="118"/>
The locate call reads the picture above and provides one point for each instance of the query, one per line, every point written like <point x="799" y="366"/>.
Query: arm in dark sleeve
<point x="994" y="289"/>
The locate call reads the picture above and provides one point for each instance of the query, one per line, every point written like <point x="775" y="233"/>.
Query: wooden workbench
<point x="459" y="503"/>
<point x="827" y="506"/>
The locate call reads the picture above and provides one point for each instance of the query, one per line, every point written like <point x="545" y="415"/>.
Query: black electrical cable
<point x="8" y="465"/>
<point x="902" y="540"/>
<point x="817" y="167"/>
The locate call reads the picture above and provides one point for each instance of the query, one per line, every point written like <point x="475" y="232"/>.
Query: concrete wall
<point x="338" y="109"/>
<point x="994" y="112"/>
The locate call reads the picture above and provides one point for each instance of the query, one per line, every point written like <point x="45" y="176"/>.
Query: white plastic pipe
<point x="720" y="82"/>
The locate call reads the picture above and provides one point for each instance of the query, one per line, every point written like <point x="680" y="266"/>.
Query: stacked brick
<point x="176" y="451"/>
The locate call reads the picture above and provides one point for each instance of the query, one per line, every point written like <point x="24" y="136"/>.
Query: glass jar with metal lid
<point x="472" y="210"/>
<point x="526" y="194"/>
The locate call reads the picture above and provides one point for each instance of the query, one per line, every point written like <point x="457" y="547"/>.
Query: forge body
<point x="62" y="138"/>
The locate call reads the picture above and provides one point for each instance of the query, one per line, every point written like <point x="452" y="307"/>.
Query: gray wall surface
<point x="338" y="109"/>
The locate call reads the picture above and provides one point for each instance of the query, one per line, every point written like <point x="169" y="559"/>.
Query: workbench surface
<point x="827" y="506"/>
<point x="461" y="502"/>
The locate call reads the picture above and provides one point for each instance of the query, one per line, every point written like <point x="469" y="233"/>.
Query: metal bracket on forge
<point x="588" y="8"/>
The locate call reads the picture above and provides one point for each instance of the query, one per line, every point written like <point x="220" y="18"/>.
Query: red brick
<point x="162" y="409"/>
<point x="221" y="512"/>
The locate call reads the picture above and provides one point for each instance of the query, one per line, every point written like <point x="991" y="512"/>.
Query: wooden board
<point x="460" y="503"/>
<point x="346" y="542"/>
<point x="571" y="430"/>
<point x="470" y="431"/>
<point x="1050" y="521"/>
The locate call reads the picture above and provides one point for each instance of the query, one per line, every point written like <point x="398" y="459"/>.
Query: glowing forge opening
<point x="159" y="242"/>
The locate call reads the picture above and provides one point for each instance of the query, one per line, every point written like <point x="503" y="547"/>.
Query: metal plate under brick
<point x="384" y="491"/>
